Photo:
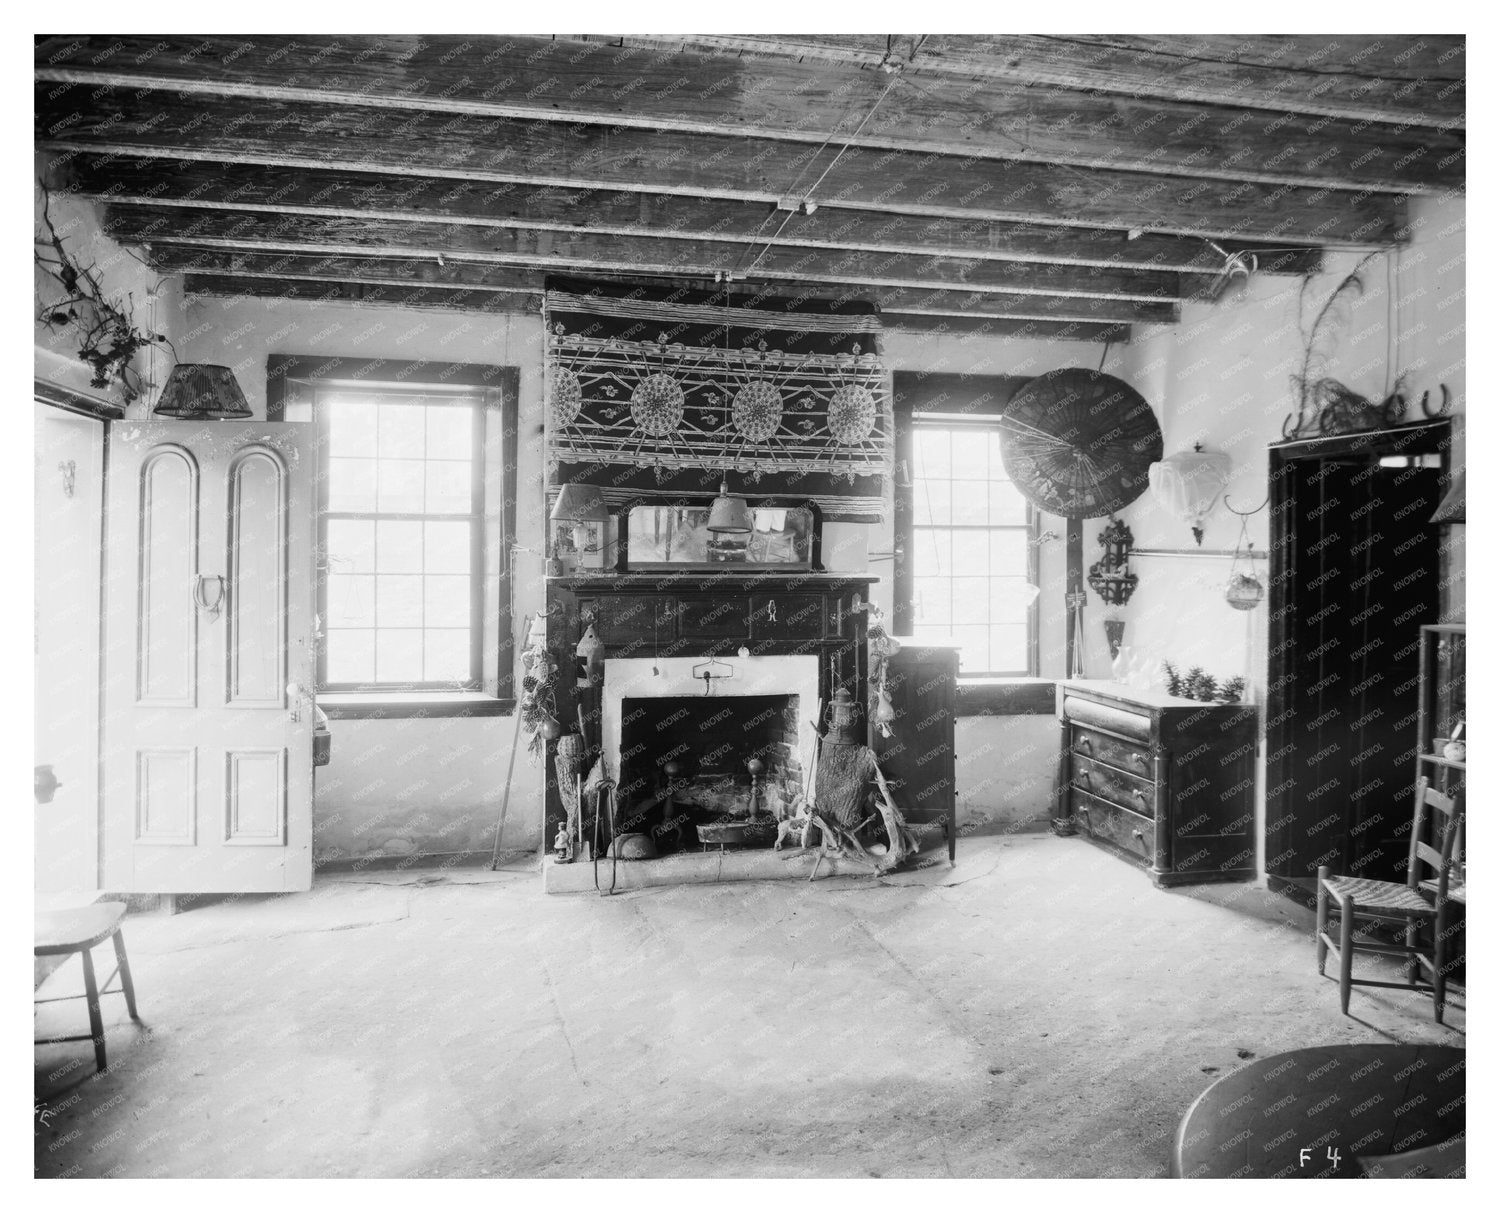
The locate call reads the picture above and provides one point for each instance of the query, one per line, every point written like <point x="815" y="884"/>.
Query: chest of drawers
<point x="1167" y="783"/>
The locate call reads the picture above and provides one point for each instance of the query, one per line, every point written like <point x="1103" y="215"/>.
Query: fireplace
<point x="686" y="761"/>
<point x="778" y="645"/>
<point x="656" y="712"/>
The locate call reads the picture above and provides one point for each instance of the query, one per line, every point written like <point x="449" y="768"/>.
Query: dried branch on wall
<point x="1326" y="405"/>
<point x="108" y="337"/>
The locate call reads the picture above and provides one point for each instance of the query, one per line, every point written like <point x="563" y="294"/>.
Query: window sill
<point x="1007" y="696"/>
<point x="412" y="705"/>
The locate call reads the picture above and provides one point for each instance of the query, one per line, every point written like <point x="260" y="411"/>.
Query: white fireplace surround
<point x="665" y="677"/>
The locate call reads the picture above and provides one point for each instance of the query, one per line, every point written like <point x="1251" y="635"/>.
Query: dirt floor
<point x="1039" y="1010"/>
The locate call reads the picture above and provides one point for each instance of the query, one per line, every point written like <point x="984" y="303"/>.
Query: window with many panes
<point x="401" y="534"/>
<point x="970" y="559"/>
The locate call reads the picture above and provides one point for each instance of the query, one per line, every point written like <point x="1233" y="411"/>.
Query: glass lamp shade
<point x="730" y="515"/>
<point x="1188" y="485"/>
<point x="202" y="391"/>
<point x="580" y="503"/>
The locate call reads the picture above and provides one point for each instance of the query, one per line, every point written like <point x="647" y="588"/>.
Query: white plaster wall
<point x="1006" y="772"/>
<point x="401" y="787"/>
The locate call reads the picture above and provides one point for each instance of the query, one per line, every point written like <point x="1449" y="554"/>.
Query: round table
<point x="1311" y="1113"/>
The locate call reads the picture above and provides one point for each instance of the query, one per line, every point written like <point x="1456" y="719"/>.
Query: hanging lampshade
<point x="730" y="515"/>
<point x="1451" y="509"/>
<point x="1188" y="485"/>
<point x="580" y="503"/>
<point x="202" y="391"/>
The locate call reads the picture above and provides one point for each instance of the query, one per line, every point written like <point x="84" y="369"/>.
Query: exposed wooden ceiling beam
<point x="492" y="303"/>
<point x="357" y="266"/>
<point x="393" y="293"/>
<point x="649" y="255"/>
<point x="980" y="326"/>
<point x="1415" y="80"/>
<point x="682" y="90"/>
<point x="343" y="195"/>
<point x="466" y="147"/>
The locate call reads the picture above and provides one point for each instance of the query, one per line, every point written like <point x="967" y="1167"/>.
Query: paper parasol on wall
<point x="1077" y="442"/>
<point x="1188" y="485"/>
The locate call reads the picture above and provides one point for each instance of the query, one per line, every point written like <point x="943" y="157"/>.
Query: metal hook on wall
<point x="1246" y="513"/>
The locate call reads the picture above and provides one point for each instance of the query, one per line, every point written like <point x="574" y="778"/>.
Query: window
<point x="416" y="518"/>
<point x="401" y="537"/>
<point x="970" y="547"/>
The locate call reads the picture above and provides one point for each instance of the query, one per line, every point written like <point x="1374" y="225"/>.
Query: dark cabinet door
<point x="628" y="624"/>
<point x="917" y="760"/>
<point x="1354" y="565"/>
<point x="703" y="617"/>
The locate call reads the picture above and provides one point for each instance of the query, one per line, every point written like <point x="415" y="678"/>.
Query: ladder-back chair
<point x="1418" y="902"/>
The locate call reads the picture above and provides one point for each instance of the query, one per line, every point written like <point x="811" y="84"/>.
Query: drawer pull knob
<point x="1084" y="776"/>
<point x="1140" y="761"/>
<point x="1142" y="797"/>
<point x="1085" y="745"/>
<point x="1141" y="838"/>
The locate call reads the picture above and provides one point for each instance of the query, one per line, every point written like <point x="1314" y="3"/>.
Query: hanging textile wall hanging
<point x="655" y="393"/>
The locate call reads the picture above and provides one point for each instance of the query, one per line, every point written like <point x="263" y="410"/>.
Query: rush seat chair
<point x="1417" y="904"/>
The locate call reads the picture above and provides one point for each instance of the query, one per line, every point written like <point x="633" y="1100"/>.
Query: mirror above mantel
<point x="784" y="536"/>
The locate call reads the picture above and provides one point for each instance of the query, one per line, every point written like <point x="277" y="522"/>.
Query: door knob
<point x="298" y="699"/>
<point x="45" y="784"/>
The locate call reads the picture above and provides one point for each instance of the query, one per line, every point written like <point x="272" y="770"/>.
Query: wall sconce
<point x="1110" y="576"/>
<point x="1188" y="485"/>
<point x="583" y="509"/>
<point x="202" y="391"/>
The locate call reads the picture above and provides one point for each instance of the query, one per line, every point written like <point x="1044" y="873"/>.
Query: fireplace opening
<point x="685" y="764"/>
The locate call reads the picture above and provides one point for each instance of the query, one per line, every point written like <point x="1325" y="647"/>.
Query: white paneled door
<point x="208" y="658"/>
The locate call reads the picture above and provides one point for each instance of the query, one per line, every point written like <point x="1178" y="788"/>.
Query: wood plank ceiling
<point x="1060" y="187"/>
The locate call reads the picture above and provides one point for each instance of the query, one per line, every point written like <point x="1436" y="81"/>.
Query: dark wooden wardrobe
<point x="1354" y="574"/>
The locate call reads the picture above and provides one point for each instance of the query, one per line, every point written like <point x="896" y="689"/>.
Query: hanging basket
<point x="1244" y="591"/>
